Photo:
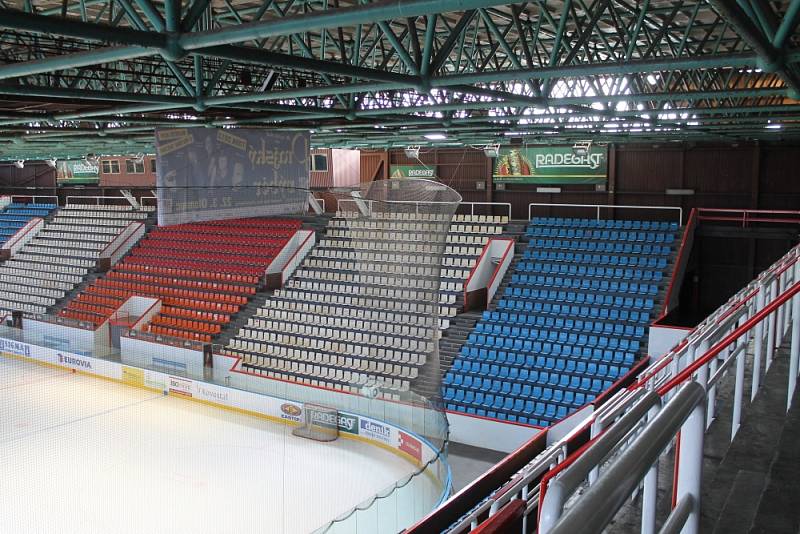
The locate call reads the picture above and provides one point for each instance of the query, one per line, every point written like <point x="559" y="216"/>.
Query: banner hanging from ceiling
<point x="77" y="172"/>
<point x="213" y="173"/>
<point x="551" y="165"/>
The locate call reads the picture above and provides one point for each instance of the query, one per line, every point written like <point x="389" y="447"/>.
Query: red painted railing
<point x="688" y="232"/>
<point x="746" y="216"/>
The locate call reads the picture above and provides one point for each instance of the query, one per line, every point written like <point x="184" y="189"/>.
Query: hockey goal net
<point x="320" y="423"/>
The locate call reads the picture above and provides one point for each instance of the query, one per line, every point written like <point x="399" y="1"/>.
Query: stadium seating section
<point x="202" y="272"/>
<point x="55" y="261"/>
<point x="16" y="216"/>
<point x="360" y="309"/>
<point x="571" y="321"/>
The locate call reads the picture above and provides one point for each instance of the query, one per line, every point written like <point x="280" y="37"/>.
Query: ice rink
<point x="81" y="455"/>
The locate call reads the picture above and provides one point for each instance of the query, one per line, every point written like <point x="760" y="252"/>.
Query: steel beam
<point x="772" y="59"/>
<point x="344" y="16"/>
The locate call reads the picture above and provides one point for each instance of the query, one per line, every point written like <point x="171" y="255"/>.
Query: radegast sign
<point x="69" y="172"/>
<point x="412" y="171"/>
<point x="346" y="423"/>
<point x="551" y="165"/>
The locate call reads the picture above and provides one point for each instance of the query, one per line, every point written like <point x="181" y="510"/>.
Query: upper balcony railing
<point x="659" y="406"/>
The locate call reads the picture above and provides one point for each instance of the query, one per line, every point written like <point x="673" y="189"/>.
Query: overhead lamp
<point x="412" y="152"/>
<point x="492" y="151"/>
<point x="581" y="148"/>
<point x="20" y="164"/>
<point x="435" y="136"/>
<point x="51" y="162"/>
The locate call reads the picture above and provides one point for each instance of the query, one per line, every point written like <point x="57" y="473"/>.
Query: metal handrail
<point x="598" y="207"/>
<point x="726" y="340"/>
<point x="718" y="326"/>
<point x="736" y="334"/>
<point x="505" y="205"/>
<point x="604" y="498"/>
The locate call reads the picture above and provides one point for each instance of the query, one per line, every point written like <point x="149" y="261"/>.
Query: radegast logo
<point x="74" y="362"/>
<point x="346" y="423"/>
<point x="15" y="347"/>
<point x="376" y="431"/>
<point x="560" y="159"/>
<point x="291" y="411"/>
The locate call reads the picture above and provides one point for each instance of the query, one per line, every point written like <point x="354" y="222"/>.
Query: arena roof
<point x="99" y="75"/>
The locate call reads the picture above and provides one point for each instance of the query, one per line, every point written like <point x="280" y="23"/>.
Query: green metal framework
<point x="96" y="76"/>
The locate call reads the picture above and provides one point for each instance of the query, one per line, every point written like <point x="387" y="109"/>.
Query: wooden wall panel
<point x="322" y="179"/>
<point x="779" y="178"/>
<point x="648" y="170"/>
<point x="765" y="176"/>
<point x="33" y="175"/>
<point x="720" y="171"/>
<point x="373" y="165"/>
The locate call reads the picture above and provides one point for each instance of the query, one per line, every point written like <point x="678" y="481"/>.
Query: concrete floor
<point x="751" y="485"/>
<point x="468" y="463"/>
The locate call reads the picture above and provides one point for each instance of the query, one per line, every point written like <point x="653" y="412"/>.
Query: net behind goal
<point x="320" y="423"/>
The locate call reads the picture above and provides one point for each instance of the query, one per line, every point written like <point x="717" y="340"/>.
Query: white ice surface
<point x="81" y="455"/>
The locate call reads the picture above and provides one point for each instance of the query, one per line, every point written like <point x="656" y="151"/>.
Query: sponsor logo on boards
<point x="180" y="386"/>
<point x="211" y="394"/>
<point x="346" y="423"/>
<point x="375" y="431"/>
<point x="74" y="362"/>
<point x="411" y="446"/>
<point x="291" y="411"/>
<point x="15" y="347"/>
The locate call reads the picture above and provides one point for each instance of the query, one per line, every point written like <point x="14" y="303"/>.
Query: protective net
<point x="345" y="352"/>
<point x="390" y="238"/>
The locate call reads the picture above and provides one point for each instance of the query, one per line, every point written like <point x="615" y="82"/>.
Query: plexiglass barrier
<point x="361" y="363"/>
<point x="407" y="432"/>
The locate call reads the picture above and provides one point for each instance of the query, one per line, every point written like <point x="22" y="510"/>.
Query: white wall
<point x="489" y="262"/>
<point x="141" y="308"/>
<point x="73" y="339"/>
<point x="143" y="353"/>
<point x="488" y="433"/>
<point x="661" y="339"/>
<point x="346" y="167"/>
<point x="23" y="235"/>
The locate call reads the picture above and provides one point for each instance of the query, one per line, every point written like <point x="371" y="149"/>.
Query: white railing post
<point x="690" y="465"/>
<point x="596" y="430"/>
<point x="711" y="401"/>
<point x="794" y="351"/>
<point x="552" y="506"/>
<point x="738" y="391"/>
<point x="758" y="341"/>
<point x="773" y="294"/>
<point x="780" y="311"/>
<point x="650" y="490"/>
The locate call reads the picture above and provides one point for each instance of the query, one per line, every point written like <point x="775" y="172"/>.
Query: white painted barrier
<point x="21" y="238"/>
<point x="373" y="429"/>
